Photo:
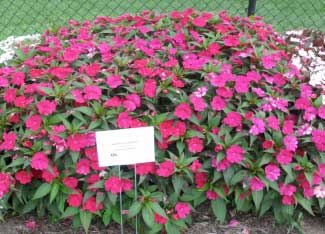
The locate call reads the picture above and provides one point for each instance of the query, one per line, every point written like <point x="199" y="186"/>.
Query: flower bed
<point x="235" y="122"/>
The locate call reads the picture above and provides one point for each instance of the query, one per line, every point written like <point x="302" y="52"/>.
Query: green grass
<point x="19" y="17"/>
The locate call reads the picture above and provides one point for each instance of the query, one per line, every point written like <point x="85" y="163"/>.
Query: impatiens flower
<point x="258" y="126"/>
<point x="195" y="145"/>
<point x="39" y="161"/>
<point x="113" y="185"/>
<point x="24" y="177"/>
<point x="321" y="169"/>
<point x="124" y="120"/>
<point x="231" y="40"/>
<point x="182" y="209"/>
<point x="233" y="119"/>
<point x="166" y="169"/>
<point x="92" y="206"/>
<point x="235" y="154"/>
<point x="287" y="127"/>
<point x="256" y="184"/>
<point x="201" y="92"/>
<point x="145" y="168"/>
<point x="92" y="69"/>
<point x="114" y="81"/>
<point x="46" y="107"/>
<point x="159" y="219"/>
<point x="183" y="111"/>
<point x="290" y="142"/>
<point x="273" y="123"/>
<point x="10" y="95"/>
<point x="272" y="172"/>
<point x="195" y="166"/>
<point x="149" y="88"/>
<point x="9" y="141"/>
<point x="48" y="175"/>
<point x="31" y="225"/>
<point x="319" y="192"/>
<point x="321" y="112"/>
<point x="288" y="200"/>
<point x="92" y="92"/>
<point x="218" y="104"/>
<point x="267" y="144"/>
<point x="70" y="55"/>
<point x="4" y="183"/>
<point x="70" y="182"/>
<point x="284" y="157"/>
<point x="34" y="122"/>
<point x="75" y="199"/>
<point x="113" y="102"/>
<point x="83" y="167"/>
<point x="269" y="61"/>
<point x="318" y="138"/>
<point x="198" y="103"/>
<point x="211" y="195"/>
<point x="200" y="179"/>
<point x="222" y="165"/>
<point x="302" y="104"/>
<point x="287" y="189"/>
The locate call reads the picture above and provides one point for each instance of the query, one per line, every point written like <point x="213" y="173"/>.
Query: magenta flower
<point x="256" y="184"/>
<point x="235" y="154"/>
<point x="272" y="172"/>
<point x="183" y="111"/>
<point x="290" y="142"/>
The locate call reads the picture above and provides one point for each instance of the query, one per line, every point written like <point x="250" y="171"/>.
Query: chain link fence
<point x="19" y="17"/>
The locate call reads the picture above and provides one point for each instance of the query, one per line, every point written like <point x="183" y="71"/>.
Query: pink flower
<point x="201" y="92"/>
<point x="39" y="161"/>
<point x="23" y="102"/>
<point x="258" y="126"/>
<point x="231" y="41"/>
<point x="31" y="225"/>
<point x="92" y="206"/>
<point x="9" y="141"/>
<point x="288" y="200"/>
<point x="218" y="104"/>
<point x="113" y="185"/>
<point x="269" y="61"/>
<point x="195" y="145"/>
<point x="318" y="138"/>
<point x="113" y="102"/>
<point x="195" y="166"/>
<point x="92" y="92"/>
<point x="284" y="157"/>
<point x="273" y="123"/>
<point x="200" y="21"/>
<point x="182" y="209"/>
<point x="145" y="168"/>
<point x="124" y="120"/>
<point x="287" y="127"/>
<point x="149" y="88"/>
<point x="114" y="81"/>
<point x="24" y="177"/>
<point x="58" y="128"/>
<point x="290" y="142"/>
<point x="46" y="107"/>
<point x="5" y="180"/>
<point x="198" y="103"/>
<point x="75" y="199"/>
<point x="321" y="169"/>
<point x="18" y="78"/>
<point x="241" y="84"/>
<point x="200" y="179"/>
<point x="319" y="192"/>
<point x="256" y="184"/>
<point x="183" y="111"/>
<point x="78" y="96"/>
<point x="233" y="119"/>
<point x="34" y="122"/>
<point x="272" y="172"/>
<point x="235" y="154"/>
<point x="302" y="103"/>
<point x="159" y="219"/>
<point x="287" y="189"/>
<point x="166" y="169"/>
<point x="222" y="165"/>
<point x="83" y="167"/>
<point x="179" y="129"/>
<point x="92" y="69"/>
<point x="70" y="182"/>
<point x="70" y="55"/>
<point x="212" y="195"/>
<point x="10" y="95"/>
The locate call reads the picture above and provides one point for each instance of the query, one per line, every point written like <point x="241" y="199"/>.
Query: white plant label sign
<point x="125" y="146"/>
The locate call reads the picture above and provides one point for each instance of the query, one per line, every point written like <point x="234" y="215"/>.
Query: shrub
<point x="235" y="124"/>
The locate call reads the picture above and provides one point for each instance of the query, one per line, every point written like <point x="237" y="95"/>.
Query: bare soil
<point x="203" y="223"/>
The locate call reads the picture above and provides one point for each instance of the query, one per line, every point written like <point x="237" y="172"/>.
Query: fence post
<point x="251" y="7"/>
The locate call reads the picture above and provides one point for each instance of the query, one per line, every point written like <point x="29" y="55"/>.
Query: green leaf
<point x="54" y="191"/>
<point x="177" y="183"/>
<point x="70" y="211"/>
<point x="107" y="217"/>
<point x="257" y="197"/>
<point x="157" y="208"/>
<point x="306" y="204"/>
<point x="135" y="209"/>
<point x="147" y="215"/>
<point x="85" y="218"/>
<point x="171" y="228"/>
<point x="85" y="110"/>
<point x="219" y="209"/>
<point x="239" y="176"/>
<point x="42" y="191"/>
